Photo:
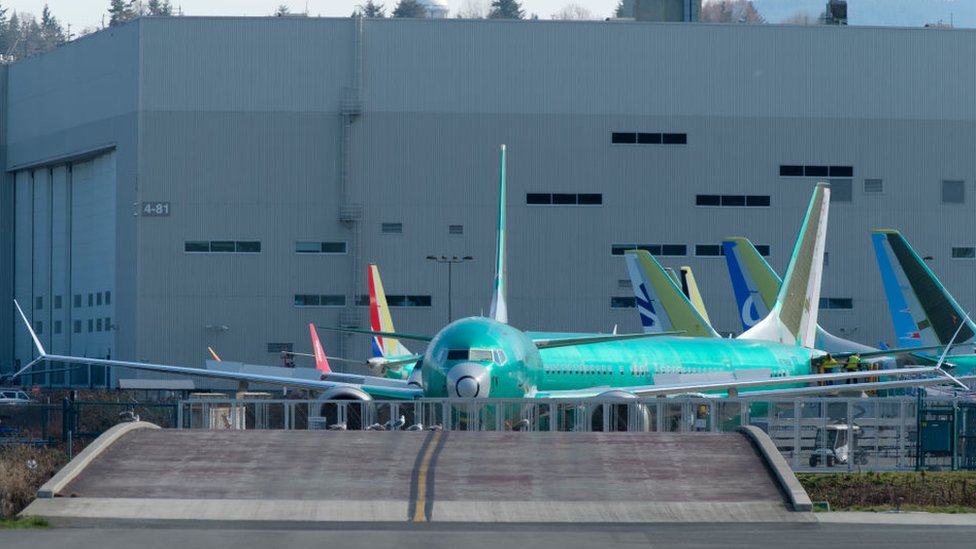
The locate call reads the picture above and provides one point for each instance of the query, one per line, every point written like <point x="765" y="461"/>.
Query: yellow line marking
<point x="419" y="515"/>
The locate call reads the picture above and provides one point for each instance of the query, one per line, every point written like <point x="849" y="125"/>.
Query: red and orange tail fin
<point x="321" y="362"/>
<point x="213" y="354"/>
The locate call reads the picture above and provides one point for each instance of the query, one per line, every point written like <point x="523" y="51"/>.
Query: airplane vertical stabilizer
<point x="793" y="319"/>
<point x="321" y="362"/>
<point x="922" y="311"/>
<point x="690" y="288"/>
<point x="754" y="283"/>
<point x="380" y="319"/>
<point x="499" y="305"/>
<point x="660" y="303"/>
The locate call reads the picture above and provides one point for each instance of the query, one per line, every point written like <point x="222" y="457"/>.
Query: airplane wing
<point x="551" y="343"/>
<point x="734" y="385"/>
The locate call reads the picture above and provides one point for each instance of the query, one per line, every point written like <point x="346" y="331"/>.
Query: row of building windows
<point x="95" y="299"/>
<point x="564" y="199"/>
<point x="648" y="138"/>
<point x="653" y="249"/>
<point x="320" y="247"/>
<point x="834" y="303"/>
<point x="337" y="300"/>
<point x="816" y="171"/>
<point x="963" y="252"/>
<point x="716" y="250"/>
<point x="751" y="200"/>
<point x="222" y="246"/>
<point x="94" y="325"/>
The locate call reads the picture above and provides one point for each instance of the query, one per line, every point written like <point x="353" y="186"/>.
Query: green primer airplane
<point x="486" y="357"/>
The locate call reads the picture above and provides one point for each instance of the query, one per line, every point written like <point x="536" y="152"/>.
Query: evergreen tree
<point x="52" y="34"/>
<point x="619" y="12"/>
<point x="505" y="9"/>
<point x="120" y="11"/>
<point x="157" y="7"/>
<point x="410" y="8"/>
<point x="282" y="11"/>
<point x="369" y="9"/>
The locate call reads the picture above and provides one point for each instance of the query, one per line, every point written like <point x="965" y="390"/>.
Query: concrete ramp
<point x="422" y="476"/>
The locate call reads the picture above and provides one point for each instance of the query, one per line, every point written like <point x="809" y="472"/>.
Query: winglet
<point x="37" y="342"/>
<point x="499" y="306"/>
<point x="321" y="363"/>
<point x="793" y="319"/>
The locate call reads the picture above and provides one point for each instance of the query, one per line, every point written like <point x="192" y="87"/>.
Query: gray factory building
<point x="177" y="183"/>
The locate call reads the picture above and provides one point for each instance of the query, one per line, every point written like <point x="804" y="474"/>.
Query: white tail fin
<point x="499" y="306"/>
<point x="793" y="319"/>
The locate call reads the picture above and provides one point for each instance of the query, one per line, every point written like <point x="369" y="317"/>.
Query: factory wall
<point x="379" y="139"/>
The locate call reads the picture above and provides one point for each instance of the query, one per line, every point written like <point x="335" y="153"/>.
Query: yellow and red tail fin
<point x="380" y="319"/>
<point x="321" y="362"/>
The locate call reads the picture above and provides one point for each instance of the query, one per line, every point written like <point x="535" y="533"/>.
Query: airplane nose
<point x="468" y="380"/>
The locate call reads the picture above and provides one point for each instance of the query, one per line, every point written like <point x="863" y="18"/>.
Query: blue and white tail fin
<point x="922" y="310"/>
<point x="661" y="304"/>
<point x="754" y="283"/>
<point x="499" y="305"/>
<point x="793" y="318"/>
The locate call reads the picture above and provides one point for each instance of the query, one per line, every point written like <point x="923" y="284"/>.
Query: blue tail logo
<point x="645" y="308"/>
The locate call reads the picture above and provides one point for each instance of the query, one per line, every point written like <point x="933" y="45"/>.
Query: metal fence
<point x="812" y="434"/>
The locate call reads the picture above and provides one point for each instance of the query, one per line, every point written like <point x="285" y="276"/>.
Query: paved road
<point x="480" y="536"/>
<point x="421" y="477"/>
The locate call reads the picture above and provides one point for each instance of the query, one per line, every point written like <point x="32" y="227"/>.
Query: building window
<point x="826" y="259"/>
<point x="320" y="247"/>
<point x="222" y="246"/>
<point x="624" y="283"/>
<point x="91" y="300"/>
<point x="873" y="186"/>
<point x="277" y="348"/>
<point x="564" y="199"/>
<point x="77" y="301"/>
<point x="38" y="327"/>
<point x="617" y="302"/>
<point x="312" y="300"/>
<point x="733" y="200"/>
<point x="57" y="326"/>
<point x="455" y="229"/>
<point x="648" y="138"/>
<point x="953" y="191"/>
<point x="841" y="190"/>
<point x="963" y="252"/>
<point x="108" y="297"/>
<point x="76" y="327"/>
<point x="108" y="324"/>
<point x="792" y="170"/>
<point x="91" y="325"/>
<point x="408" y="300"/>
<point x="653" y="249"/>
<point x="763" y="249"/>
<point x="39" y="303"/>
<point x="392" y="228"/>
<point x="98" y="325"/>
<point x="57" y="302"/>
<point x="841" y="303"/>
<point x="98" y="299"/>
<point x="708" y="250"/>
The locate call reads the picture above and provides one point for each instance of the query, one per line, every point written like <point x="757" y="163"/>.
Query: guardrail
<point x="811" y="434"/>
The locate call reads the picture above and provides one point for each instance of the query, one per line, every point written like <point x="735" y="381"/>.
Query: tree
<point x="573" y="12"/>
<point x="505" y="9"/>
<point x="369" y="9"/>
<point x="619" y="12"/>
<point x="799" y="18"/>
<point x="282" y="11"/>
<point x="410" y="8"/>
<point x="731" y="11"/>
<point x="121" y="11"/>
<point x="473" y="9"/>
<point x="157" y="7"/>
<point x="52" y="34"/>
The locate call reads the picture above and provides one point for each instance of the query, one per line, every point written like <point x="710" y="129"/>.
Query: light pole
<point x="450" y="265"/>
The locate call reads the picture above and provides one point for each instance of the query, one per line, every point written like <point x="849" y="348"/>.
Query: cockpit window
<point x="500" y="357"/>
<point x="470" y="354"/>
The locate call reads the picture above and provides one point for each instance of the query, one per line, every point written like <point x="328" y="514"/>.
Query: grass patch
<point x="23" y="469"/>
<point x="939" y="492"/>
<point x="23" y="522"/>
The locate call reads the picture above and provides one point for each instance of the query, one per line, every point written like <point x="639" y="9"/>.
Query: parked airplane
<point x="922" y="310"/>
<point x="486" y="357"/>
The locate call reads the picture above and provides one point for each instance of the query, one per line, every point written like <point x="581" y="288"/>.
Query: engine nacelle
<point x="416" y="378"/>
<point x="622" y="416"/>
<point x="345" y="393"/>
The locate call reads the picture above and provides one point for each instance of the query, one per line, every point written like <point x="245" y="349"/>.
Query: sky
<point x="90" y="13"/>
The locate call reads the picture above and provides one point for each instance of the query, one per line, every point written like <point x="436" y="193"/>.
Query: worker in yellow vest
<point x="853" y="365"/>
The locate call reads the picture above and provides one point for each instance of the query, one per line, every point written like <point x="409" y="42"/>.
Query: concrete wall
<point x="238" y="123"/>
